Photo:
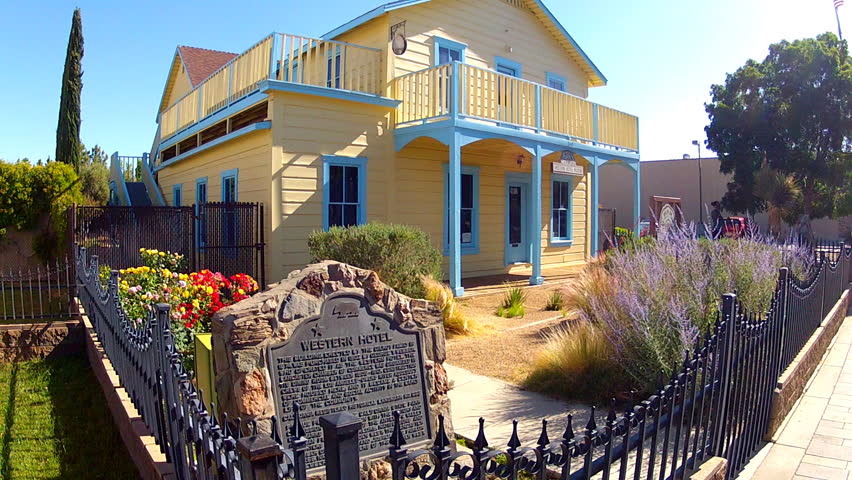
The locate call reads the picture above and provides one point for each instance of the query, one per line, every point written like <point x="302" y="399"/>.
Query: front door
<point x="517" y="231"/>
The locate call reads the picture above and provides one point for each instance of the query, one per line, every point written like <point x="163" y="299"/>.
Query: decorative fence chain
<point x="716" y="404"/>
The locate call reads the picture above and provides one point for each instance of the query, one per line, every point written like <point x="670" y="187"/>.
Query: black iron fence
<point x="40" y="294"/>
<point x="716" y="404"/>
<point x="222" y="237"/>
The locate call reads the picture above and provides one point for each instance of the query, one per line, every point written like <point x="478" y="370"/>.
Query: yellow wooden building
<point x="466" y="118"/>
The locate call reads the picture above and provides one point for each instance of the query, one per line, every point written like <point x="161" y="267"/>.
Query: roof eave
<point x="168" y="78"/>
<point x="376" y="12"/>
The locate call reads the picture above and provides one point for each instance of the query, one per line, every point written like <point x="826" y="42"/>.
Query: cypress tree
<point x="68" y="147"/>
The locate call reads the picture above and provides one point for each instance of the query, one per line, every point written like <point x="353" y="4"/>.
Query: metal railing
<point x="41" y="294"/>
<point x="297" y="59"/>
<point x="483" y="94"/>
<point x="716" y="404"/>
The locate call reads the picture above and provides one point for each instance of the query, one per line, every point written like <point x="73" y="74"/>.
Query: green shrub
<point x="577" y="362"/>
<point x="513" y="303"/>
<point x="400" y="254"/>
<point x="555" y="302"/>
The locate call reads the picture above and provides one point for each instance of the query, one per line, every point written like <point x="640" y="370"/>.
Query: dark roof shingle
<point x="201" y="62"/>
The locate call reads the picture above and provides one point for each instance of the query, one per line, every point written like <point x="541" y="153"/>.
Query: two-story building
<point x="465" y="118"/>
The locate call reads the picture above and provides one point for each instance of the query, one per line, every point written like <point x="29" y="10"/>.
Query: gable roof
<point x="596" y="77"/>
<point x="199" y="63"/>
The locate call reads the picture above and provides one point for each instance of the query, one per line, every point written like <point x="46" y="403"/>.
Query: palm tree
<point x="782" y="194"/>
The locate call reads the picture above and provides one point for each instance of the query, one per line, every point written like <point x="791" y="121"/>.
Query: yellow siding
<point x="305" y="128"/>
<point x="179" y="87"/>
<point x="420" y="187"/>
<point x="489" y="28"/>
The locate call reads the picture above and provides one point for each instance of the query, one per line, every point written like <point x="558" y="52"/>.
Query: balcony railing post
<point x="454" y="89"/>
<point x="538" y="108"/>
<point x="595" y="135"/>
<point x="230" y="82"/>
<point x="274" y="55"/>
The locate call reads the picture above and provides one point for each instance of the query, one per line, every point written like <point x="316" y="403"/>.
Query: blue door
<point x="517" y="222"/>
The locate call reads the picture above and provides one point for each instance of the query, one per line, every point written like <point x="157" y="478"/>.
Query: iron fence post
<point x="729" y="301"/>
<point x="340" y="434"/>
<point x="260" y="456"/>
<point x="823" y="281"/>
<point x="783" y="286"/>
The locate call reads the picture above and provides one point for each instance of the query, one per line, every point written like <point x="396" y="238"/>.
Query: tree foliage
<point x="68" y="146"/>
<point x="94" y="176"/>
<point x="792" y="113"/>
<point x="29" y="192"/>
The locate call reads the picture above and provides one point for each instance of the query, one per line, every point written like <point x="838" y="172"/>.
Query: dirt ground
<point x="505" y="347"/>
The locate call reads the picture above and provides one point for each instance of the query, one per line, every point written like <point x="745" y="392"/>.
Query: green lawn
<point x="54" y="424"/>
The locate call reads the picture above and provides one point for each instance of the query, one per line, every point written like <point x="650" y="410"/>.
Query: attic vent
<point x="522" y="4"/>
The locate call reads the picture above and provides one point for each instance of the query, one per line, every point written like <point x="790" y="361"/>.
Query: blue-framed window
<point x="447" y="51"/>
<point x="230" y="189"/>
<point x="201" y="217"/>
<point x="561" y="224"/>
<point x="344" y="183"/>
<point x="508" y="67"/>
<point x="469" y="228"/>
<point x="333" y="69"/>
<point x="177" y="195"/>
<point x="557" y="82"/>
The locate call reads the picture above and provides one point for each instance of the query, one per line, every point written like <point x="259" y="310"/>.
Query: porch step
<point x="496" y="284"/>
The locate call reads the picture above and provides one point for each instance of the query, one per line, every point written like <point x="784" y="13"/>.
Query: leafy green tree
<point x="68" y="146"/>
<point x="94" y="176"/>
<point x="793" y="113"/>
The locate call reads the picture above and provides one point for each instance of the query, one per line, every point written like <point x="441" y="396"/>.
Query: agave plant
<point x="782" y="194"/>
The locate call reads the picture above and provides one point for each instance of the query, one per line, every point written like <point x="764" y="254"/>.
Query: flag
<point x="838" y="3"/>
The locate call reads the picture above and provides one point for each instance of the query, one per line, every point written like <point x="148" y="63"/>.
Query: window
<point x="201" y="220"/>
<point x="469" y="228"/>
<point x="556" y="82"/>
<point x="560" y="220"/>
<point x="333" y="70"/>
<point x="229" y="219"/>
<point x="229" y="186"/>
<point x="508" y="67"/>
<point x="177" y="195"/>
<point x="447" y="51"/>
<point x="344" y="191"/>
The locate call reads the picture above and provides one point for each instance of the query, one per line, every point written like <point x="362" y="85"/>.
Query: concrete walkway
<point x="475" y="396"/>
<point x="815" y="441"/>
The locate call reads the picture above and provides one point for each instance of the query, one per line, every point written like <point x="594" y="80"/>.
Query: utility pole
<point x="700" y="186"/>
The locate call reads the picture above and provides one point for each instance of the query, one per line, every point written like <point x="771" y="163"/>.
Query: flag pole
<point x="837" y="16"/>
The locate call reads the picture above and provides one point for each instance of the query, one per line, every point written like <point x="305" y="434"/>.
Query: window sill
<point x="555" y="242"/>
<point x="464" y="251"/>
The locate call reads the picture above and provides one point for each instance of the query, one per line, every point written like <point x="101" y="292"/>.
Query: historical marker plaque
<point x="351" y="358"/>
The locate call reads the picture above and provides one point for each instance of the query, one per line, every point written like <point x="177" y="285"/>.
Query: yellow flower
<point x="141" y="250"/>
<point x="195" y="303"/>
<point x="209" y="290"/>
<point x="186" y="294"/>
<point x="166" y="272"/>
<point x="162" y="254"/>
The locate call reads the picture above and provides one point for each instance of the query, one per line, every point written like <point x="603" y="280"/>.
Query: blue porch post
<point x="535" y="224"/>
<point x="455" y="215"/>
<point x="593" y="248"/>
<point x="637" y="198"/>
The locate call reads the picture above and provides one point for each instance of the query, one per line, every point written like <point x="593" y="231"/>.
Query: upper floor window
<point x="344" y="191"/>
<point x="332" y="79"/>
<point x="556" y="82"/>
<point x="177" y="195"/>
<point x="508" y="67"/>
<point x="447" y="51"/>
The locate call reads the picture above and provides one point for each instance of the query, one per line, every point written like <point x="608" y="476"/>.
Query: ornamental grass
<point x="455" y="321"/>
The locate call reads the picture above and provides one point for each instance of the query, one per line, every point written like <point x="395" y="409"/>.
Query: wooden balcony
<point x="284" y="57"/>
<point x="488" y="96"/>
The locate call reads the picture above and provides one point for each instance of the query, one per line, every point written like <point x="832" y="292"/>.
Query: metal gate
<point x="221" y="237"/>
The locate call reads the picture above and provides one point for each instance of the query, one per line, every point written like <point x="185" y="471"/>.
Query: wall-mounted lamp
<point x="520" y="160"/>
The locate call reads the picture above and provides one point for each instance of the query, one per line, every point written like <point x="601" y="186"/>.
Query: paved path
<point x="475" y="396"/>
<point x="816" y="439"/>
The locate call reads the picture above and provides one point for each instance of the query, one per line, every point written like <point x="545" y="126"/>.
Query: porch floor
<point x="518" y="277"/>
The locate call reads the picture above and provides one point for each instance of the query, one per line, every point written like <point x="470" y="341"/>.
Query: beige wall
<point x="489" y="28"/>
<point x="678" y="178"/>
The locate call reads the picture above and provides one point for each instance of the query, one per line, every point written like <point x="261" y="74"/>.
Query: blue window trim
<point x="559" y="78"/>
<point x="505" y="62"/>
<point x="200" y="237"/>
<point x="447" y="43"/>
<point x="177" y="195"/>
<point x="473" y="248"/>
<point x="361" y="163"/>
<point x="569" y="240"/>
<point x="235" y="173"/>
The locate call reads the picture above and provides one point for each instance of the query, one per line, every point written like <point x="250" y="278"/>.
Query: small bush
<point x="455" y="322"/>
<point x="556" y="302"/>
<point x="576" y="362"/>
<point x="513" y="303"/>
<point x="400" y="254"/>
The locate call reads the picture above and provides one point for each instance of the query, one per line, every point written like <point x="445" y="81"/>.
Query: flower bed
<point x="193" y="297"/>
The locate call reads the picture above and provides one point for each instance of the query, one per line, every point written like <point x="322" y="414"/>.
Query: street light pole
<point x="700" y="186"/>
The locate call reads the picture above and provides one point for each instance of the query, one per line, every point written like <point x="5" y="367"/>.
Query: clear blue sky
<point x="660" y="57"/>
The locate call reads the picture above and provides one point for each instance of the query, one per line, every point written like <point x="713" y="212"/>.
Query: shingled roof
<point x="201" y="63"/>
